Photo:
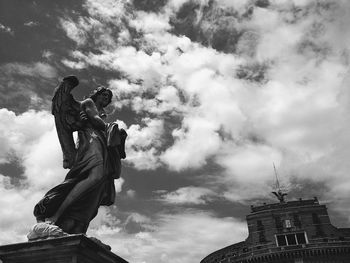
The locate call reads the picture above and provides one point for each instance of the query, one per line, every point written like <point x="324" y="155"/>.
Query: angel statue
<point x="94" y="162"/>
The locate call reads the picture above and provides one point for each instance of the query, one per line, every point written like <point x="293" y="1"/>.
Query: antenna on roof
<point x="277" y="182"/>
<point x="279" y="194"/>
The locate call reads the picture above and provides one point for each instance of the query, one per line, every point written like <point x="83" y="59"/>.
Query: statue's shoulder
<point x="87" y="103"/>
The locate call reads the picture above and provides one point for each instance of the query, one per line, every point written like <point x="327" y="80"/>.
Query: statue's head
<point x="100" y="91"/>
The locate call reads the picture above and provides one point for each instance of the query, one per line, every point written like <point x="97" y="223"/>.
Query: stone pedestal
<point x="69" y="249"/>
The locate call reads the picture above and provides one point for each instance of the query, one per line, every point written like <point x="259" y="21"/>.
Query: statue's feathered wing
<point x="66" y="111"/>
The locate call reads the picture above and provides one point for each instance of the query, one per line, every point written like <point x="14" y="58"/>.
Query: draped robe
<point x="94" y="147"/>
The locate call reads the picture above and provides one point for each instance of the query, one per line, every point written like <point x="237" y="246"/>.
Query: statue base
<point x="68" y="249"/>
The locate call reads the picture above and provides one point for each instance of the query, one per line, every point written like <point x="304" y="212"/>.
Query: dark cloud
<point x="13" y="170"/>
<point x="28" y="76"/>
<point x="211" y="25"/>
<point x="26" y="86"/>
<point x="16" y="101"/>
<point x="312" y="49"/>
<point x="254" y="72"/>
<point x="39" y="39"/>
<point x="262" y="3"/>
<point x="28" y="42"/>
<point x="184" y="21"/>
<point x="149" y="5"/>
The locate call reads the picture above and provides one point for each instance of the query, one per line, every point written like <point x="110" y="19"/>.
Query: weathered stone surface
<point x="69" y="249"/>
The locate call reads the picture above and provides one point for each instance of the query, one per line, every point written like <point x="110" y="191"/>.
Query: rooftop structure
<point x="295" y="232"/>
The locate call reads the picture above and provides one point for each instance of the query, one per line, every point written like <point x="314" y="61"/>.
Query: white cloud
<point x="249" y="170"/>
<point x="176" y="4"/>
<point x="169" y="239"/>
<point x="6" y="29"/>
<point x="188" y="195"/>
<point x="74" y="65"/>
<point x="197" y="141"/>
<point x="131" y="193"/>
<point x="16" y="211"/>
<point x="18" y="133"/>
<point x="31" y="23"/>
<point x="108" y="11"/>
<point x="47" y="54"/>
<point x="121" y="87"/>
<point x="239" y="5"/>
<point x="219" y="115"/>
<point x="151" y="22"/>
<point x="137" y="218"/>
<point x="73" y="31"/>
<point x="31" y="137"/>
<point x="296" y="117"/>
<point x="142" y="143"/>
<point x="242" y="126"/>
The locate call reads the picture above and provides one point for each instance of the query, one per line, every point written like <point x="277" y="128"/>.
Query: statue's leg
<point x="94" y="177"/>
<point x="79" y="228"/>
<point x="67" y="225"/>
<point x="73" y="226"/>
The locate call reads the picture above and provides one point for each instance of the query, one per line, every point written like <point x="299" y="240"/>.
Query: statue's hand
<point x="83" y="116"/>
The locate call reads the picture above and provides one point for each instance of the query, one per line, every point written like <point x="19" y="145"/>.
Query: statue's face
<point x="104" y="98"/>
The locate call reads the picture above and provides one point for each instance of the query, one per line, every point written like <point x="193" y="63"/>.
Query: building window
<point x="278" y="223"/>
<point x="291" y="239"/>
<point x="281" y="240"/>
<point x="261" y="231"/>
<point x="301" y="238"/>
<point x="296" y="221"/>
<point x="262" y="238"/>
<point x="287" y="223"/>
<point x="318" y="226"/>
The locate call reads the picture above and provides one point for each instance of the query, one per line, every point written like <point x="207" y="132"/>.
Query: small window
<point x="287" y="223"/>
<point x="259" y="225"/>
<point x="262" y="238"/>
<point x="291" y="239"/>
<point x="278" y="223"/>
<point x="301" y="238"/>
<point x="281" y="240"/>
<point x="297" y="221"/>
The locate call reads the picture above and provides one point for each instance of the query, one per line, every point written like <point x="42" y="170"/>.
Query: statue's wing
<point x="66" y="111"/>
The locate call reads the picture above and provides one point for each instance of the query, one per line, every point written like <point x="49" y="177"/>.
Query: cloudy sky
<point x="211" y="93"/>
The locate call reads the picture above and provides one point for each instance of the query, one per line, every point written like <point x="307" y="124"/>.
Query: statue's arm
<point x="92" y="113"/>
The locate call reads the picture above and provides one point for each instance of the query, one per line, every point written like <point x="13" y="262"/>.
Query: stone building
<point x="294" y="232"/>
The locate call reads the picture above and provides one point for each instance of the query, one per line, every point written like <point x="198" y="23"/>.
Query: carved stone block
<point x="69" y="249"/>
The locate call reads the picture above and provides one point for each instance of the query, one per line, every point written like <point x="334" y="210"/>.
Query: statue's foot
<point x="51" y="220"/>
<point x="45" y="230"/>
